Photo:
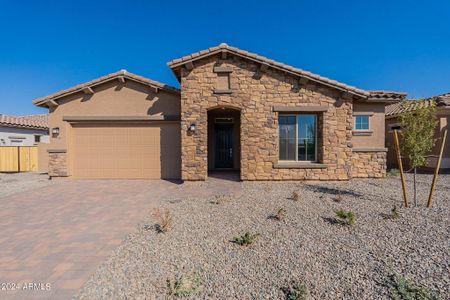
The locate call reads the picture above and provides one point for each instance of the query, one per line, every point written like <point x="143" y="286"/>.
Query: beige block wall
<point x="112" y="98"/>
<point x="43" y="157"/>
<point x="375" y="139"/>
<point x="255" y="97"/>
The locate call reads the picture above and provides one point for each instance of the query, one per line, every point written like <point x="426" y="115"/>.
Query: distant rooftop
<point x="32" y="121"/>
<point x="412" y="105"/>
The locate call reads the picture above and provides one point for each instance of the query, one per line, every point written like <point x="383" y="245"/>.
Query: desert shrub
<point x="295" y="196"/>
<point x="245" y="239"/>
<point x="338" y="197"/>
<point x="394" y="213"/>
<point x="403" y="289"/>
<point x="220" y="199"/>
<point x="164" y="220"/>
<point x="296" y="291"/>
<point x="279" y="215"/>
<point x="347" y="216"/>
<point x="183" y="286"/>
<point x="393" y="173"/>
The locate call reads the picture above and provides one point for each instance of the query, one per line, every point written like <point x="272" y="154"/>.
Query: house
<point x="393" y="112"/>
<point x="23" y="130"/>
<point x="235" y="111"/>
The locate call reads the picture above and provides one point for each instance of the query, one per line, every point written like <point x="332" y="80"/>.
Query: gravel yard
<point x="309" y="246"/>
<point x="11" y="183"/>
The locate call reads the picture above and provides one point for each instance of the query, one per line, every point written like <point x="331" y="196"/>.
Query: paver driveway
<point x="59" y="234"/>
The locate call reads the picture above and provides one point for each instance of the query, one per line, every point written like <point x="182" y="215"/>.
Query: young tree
<point x="418" y="129"/>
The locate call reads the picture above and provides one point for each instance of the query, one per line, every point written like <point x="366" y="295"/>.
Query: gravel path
<point x="11" y="183"/>
<point x="335" y="261"/>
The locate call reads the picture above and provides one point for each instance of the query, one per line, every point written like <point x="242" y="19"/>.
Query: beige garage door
<point x="126" y="151"/>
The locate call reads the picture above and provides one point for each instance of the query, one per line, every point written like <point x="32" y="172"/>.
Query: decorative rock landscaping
<point x="308" y="246"/>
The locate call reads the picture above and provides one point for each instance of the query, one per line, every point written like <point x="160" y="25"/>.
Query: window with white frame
<point x="298" y="137"/>
<point x="362" y="122"/>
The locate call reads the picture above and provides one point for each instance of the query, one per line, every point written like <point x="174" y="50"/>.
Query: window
<point x="298" y="137"/>
<point x="37" y="138"/>
<point x="362" y="122"/>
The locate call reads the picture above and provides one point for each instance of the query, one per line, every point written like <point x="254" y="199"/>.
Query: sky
<point x="47" y="46"/>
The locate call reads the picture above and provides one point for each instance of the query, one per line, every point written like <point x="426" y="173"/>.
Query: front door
<point x="224" y="145"/>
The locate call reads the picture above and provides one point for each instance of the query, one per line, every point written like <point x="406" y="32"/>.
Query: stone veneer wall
<point x="255" y="95"/>
<point x="369" y="165"/>
<point x="57" y="164"/>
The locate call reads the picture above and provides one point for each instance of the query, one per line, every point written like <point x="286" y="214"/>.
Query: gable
<point x="89" y="87"/>
<point x="304" y="77"/>
<point x="116" y="98"/>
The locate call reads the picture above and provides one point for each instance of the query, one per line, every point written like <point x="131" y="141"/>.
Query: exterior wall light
<point x="55" y="131"/>
<point x="192" y="128"/>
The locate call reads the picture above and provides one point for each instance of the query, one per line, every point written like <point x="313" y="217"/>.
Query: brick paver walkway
<point x="60" y="234"/>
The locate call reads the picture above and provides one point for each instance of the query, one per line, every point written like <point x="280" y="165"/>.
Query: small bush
<point x="295" y="196"/>
<point x="403" y="289"/>
<point x="338" y="197"/>
<point x="394" y="213"/>
<point x="183" y="286"/>
<point x="279" y="215"/>
<point x="164" y="219"/>
<point x="296" y="291"/>
<point x="245" y="239"/>
<point x="347" y="216"/>
<point x="393" y="173"/>
<point x="220" y="199"/>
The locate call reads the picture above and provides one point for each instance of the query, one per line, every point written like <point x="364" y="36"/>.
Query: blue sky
<point x="47" y="46"/>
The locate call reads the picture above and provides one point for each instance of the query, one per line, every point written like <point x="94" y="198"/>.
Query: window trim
<point x="296" y="139"/>
<point x="368" y="129"/>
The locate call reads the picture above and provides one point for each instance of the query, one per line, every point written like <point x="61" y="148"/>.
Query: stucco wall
<point x="375" y="137"/>
<point x="255" y="94"/>
<point x="43" y="157"/>
<point x="111" y="99"/>
<point x="443" y="116"/>
<point x="10" y="136"/>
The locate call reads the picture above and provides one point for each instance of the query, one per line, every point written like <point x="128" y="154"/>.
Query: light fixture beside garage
<point x="55" y="131"/>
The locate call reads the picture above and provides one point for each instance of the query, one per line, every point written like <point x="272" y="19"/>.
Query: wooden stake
<point x="438" y="166"/>
<point x="400" y="166"/>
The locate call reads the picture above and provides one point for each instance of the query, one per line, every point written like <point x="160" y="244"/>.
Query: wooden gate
<point x="18" y="159"/>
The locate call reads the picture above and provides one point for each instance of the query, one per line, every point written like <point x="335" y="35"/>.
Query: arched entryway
<point x="224" y="141"/>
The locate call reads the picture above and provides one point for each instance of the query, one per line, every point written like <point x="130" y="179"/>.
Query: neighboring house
<point x="393" y="112"/>
<point x="235" y="111"/>
<point x="23" y="130"/>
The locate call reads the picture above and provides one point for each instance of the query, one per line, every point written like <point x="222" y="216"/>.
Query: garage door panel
<point x="134" y="152"/>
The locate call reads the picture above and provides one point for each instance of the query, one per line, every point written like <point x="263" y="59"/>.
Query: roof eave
<point x="176" y="64"/>
<point x="23" y="126"/>
<point x="47" y="100"/>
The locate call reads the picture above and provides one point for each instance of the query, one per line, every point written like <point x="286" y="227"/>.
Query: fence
<point x="18" y="159"/>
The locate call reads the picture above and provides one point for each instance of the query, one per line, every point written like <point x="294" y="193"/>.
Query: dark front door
<point x="224" y="145"/>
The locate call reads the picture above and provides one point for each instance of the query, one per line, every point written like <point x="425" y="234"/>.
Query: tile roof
<point x="32" y="122"/>
<point x="412" y="105"/>
<point x="370" y="95"/>
<point x="122" y="73"/>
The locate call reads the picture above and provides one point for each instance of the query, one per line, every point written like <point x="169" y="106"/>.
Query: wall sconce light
<point x="191" y="128"/>
<point x="55" y="131"/>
